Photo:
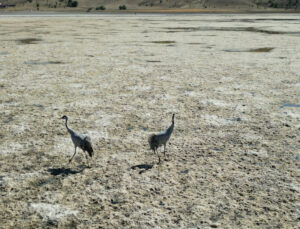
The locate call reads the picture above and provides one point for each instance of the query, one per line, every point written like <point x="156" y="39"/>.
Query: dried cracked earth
<point x="232" y="80"/>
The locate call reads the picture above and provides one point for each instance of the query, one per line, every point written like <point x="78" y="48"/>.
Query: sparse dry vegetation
<point x="233" y="158"/>
<point x="154" y="5"/>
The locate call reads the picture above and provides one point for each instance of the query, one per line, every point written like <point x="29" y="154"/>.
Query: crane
<point x="79" y="140"/>
<point x="157" y="140"/>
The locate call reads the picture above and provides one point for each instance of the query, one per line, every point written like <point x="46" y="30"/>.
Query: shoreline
<point x="152" y="11"/>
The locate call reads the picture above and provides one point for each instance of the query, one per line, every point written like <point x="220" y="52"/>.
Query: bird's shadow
<point x="64" y="171"/>
<point x="144" y="167"/>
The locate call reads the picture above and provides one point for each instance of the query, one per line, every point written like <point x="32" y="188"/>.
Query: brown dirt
<point x="232" y="161"/>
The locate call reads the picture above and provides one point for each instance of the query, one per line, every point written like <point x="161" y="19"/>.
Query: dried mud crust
<point x="232" y="161"/>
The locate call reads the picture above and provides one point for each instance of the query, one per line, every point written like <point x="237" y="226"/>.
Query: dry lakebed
<point x="233" y="81"/>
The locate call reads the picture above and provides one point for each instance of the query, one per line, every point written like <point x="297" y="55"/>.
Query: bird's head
<point x="64" y="117"/>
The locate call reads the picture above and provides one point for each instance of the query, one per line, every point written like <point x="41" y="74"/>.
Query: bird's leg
<point x="73" y="155"/>
<point x="158" y="156"/>
<point x="165" y="150"/>
<point x="87" y="159"/>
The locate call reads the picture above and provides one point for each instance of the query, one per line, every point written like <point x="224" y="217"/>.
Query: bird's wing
<point x="153" y="141"/>
<point x="88" y="139"/>
<point x="88" y="145"/>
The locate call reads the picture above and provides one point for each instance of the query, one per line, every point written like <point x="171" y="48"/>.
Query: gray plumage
<point x="157" y="140"/>
<point x="79" y="140"/>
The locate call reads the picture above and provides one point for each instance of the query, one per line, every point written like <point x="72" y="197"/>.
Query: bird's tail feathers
<point x="88" y="146"/>
<point x="152" y="140"/>
<point x="91" y="153"/>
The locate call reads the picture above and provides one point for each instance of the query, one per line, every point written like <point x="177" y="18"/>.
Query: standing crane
<point x="157" y="140"/>
<point x="79" y="140"/>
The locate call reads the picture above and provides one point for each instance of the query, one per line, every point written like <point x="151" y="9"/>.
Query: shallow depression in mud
<point x="32" y="62"/>
<point x="28" y="41"/>
<point x="290" y="105"/>
<point x="266" y="49"/>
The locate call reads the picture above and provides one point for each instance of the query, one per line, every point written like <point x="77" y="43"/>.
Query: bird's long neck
<point x="69" y="130"/>
<point x="170" y="129"/>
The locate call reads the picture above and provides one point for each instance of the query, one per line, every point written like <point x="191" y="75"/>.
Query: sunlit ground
<point x="233" y="82"/>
